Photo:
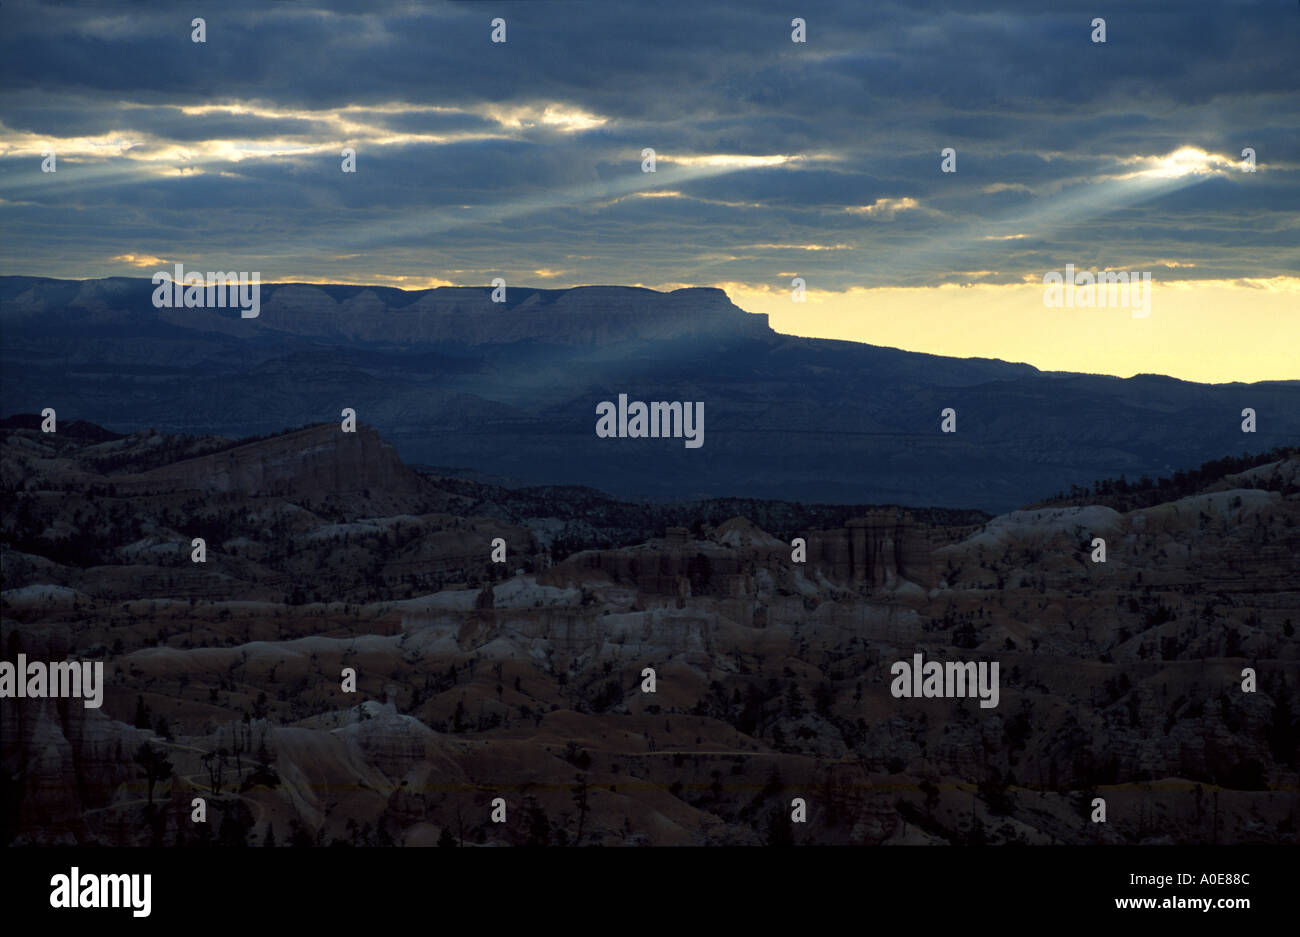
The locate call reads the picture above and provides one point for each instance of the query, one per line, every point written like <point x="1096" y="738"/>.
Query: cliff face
<point x="588" y="315"/>
<point x="585" y="315"/>
<point x="71" y="759"/>
<point x="879" y="551"/>
<point x="314" y="461"/>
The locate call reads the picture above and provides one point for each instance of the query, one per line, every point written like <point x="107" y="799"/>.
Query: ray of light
<point x="1085" y="201"/>
<point x="671" y="172"/>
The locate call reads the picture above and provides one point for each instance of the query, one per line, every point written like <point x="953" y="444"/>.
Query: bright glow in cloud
<point x="884" y="207"/>
<point x="557" y="116"/>
<point x="421" y="224"/>
<point x="798" y="247"/>
<point x="1070" y="204"/>
<point x="324" y="131"/>
<point x="1186" y="161"/>
<point x="725" y="161"/>
<point x="21" y="143"/>
<point x="141" y="260"/>
<point x="352" y="279"/>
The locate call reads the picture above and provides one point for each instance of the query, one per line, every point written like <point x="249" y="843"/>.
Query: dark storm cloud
<point x="475" y="156"/>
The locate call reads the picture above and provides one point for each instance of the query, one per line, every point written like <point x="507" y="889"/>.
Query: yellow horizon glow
<point x="1209" y="331"/>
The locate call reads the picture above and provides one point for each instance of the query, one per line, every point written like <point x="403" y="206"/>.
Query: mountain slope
<point x="510" y="390"/>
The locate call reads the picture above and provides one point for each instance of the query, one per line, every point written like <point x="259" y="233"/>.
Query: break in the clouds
<point x="524" y="158"/>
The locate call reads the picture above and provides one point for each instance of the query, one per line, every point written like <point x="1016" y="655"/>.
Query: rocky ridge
<point x="1120" y="678"/>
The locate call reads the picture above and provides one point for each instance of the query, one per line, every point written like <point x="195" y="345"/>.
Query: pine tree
<point x="581" y="802"/>
<point x="155" y="764"/>
<point x="142" y="715"/>
<point x="780" y="831"/>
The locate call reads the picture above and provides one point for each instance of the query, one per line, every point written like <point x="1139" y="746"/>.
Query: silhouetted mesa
<point x="509" y="390"/>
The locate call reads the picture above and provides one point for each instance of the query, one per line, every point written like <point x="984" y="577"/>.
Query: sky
<point x="774" y="160"/>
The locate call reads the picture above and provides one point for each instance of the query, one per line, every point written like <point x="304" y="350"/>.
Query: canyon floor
<point x="525" y="679"/>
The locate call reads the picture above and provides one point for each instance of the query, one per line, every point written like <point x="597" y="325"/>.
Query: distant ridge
<point x="583" y="315"/>
<point x="74" y="429"/>
<point x="509" y="391"/>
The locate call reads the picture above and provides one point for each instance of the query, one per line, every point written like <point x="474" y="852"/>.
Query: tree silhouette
<point x="155" y="764"/>
<point x="215" y="762"/>
<point x="539" y="826"/>
<point x="142" y="715"/>
<point x="580" y="801"/>
<point x="780" y="831"/>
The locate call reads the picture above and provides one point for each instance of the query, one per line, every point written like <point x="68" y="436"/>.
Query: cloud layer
<point x="523" y="159"/>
